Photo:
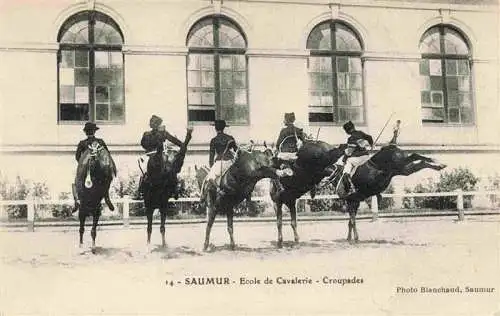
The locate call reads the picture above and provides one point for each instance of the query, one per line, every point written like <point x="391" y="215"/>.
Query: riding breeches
<point x="352" y="163"/>
<point x="218" y="169"/>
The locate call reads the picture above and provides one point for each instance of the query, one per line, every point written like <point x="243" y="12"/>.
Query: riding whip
<point x="387" y="122"/>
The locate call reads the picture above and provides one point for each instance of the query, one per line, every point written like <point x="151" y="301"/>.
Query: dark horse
<point x="161" y="182"/>
<point x="234" y="186"/>
<point x="94" y="174"/>
<point x="374" y="176"/>
<point x="313" y="163"/>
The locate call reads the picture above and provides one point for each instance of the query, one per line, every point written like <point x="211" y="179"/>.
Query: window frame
<point x="90" y="16"/>
<point x="216" y="51"/>
<point x="443" y="57"/>
<point x="333" y="53"/>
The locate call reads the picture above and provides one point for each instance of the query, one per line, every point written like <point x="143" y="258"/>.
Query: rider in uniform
<point x="357" y="151"/>
<point x="89" y="129"/>
<point x="152" y="142"/>
<point x="290" y="139"/>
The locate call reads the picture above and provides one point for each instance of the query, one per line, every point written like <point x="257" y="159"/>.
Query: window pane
<point x="239" y="79"/>
<point x="437" y="99"/>
<point x="226" y="62"/>
<point x="67" y="76"/>
<point x="436" y="83"/>
<point x="451" y="67"/>
<point x="67" y="94"/>
<point x="466" y="115"/>
<point x="201" y="115"/>
<point x="344" y="98"/>
<point x="116" y="59"/>
<point x="106" y="34"/>
<point x="452" y="99"/>
<point x="454" y="115"/>
<point x="355" y="81"/>
<point x="116" y="77"/>
<point x="81" y="77"/>
<point x="463" y="83"/>
<point x="327" y="98"/>
<point x="194" y="79"/>
<point x="430" y="114"/>
<point x="345" y="39"/>
<point x="103" y="76"/>
<point x="208" y="98"/>
<point x="425" y="83"/>
<point x="463" y="67"/>
<point x="116" y="94"/>
<point x="424" y="67"/>
<point x="454" y="43"/>
<point x="208" y="79"/>
<point x="226" y="79"/>
<point x="240" y="97"/>
<point x="425" y="98"/>
<point x="464" y="100"/>
<point x="355" y="65"/>
<point x="452" y="83"/>
<point x="82" y="94"/>
<point x="435" y="67"/>
<point x="227" y="97"/>
<point x="102" y="112"/>
<point x="229" y="36"/>
<point x="81" y="59"/>
<point x="194" y="62"/>
<point x="201" y="35"/>
<point x="342" y="64"/>
<point x="117" y="112"/>
<point x="78" y="33"/>
<point x="342" y="81"/>
<point x="315" y="98"/>
<point x="239" y="62"/>
<point x="320" y="37"/>
<point x="101" y="59"/>
<point x="67" y="59"/>
<point x="74" y="112"/>
<point x="194" y="96"/>
<point x="207" y="62"/>
<point x="430" y="43"/>
<point x="356" y="98"/>
<point x="101" y="94"/>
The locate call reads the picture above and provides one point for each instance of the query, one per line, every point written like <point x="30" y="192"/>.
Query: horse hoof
<point x="94" y="250"/>
<point x="280" y="244"/>
<point x="111" y="208"/>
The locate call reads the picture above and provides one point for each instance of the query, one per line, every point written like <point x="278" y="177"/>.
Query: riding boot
<point x="75" y="197"/>
<point x="349" y="185"/>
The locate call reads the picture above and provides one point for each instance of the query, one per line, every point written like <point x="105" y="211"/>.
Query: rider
<point x="290" y="139"/>
<point x="221" y="147"/>
<point x="152" y="142"/>
<point x="89" y="129"/>
<point x="356" y="153"/>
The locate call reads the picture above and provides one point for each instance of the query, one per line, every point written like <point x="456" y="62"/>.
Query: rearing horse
<point x="161" y="182"/>
<point x="313" y="161"/>
<point x="235" y="185"/>
<point x="374" y="176"/>
<point x="94" y="174"/>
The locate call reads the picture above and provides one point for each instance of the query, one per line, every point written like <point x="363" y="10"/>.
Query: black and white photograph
<point x="250" y="157"/>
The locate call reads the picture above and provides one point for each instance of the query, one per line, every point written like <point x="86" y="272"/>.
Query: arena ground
<point x="400" y="267"/>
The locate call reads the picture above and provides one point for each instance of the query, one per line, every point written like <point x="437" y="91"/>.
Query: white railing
<point x="126" y="201"/>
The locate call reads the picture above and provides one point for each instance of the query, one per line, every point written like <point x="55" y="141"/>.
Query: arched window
<point x="335" y="74"/>
<point x="217" y="72"/>
<point x="445" y="73"/>
<point x="90" y="69"/>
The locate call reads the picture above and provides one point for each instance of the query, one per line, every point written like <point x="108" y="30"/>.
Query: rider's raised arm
<point x="369" y="139"/>
<point x="174" y="140"/>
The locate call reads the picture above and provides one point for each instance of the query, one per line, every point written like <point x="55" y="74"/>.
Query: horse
<point x="160" y="184"/>
<point x="375" y="175"/>
<point x="313" y="163"/>
<point x="235" y="185"/>
<point x="96" y="169"/>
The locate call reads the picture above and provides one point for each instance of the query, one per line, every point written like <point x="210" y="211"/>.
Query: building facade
<point x="431" y="64"/>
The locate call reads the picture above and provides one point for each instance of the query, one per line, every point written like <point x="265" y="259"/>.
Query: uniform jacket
<point x="219" y="147"/>
<point x="353" y="139"/>
<point x="84" y="144"/>
<point x="289" y="130"/>
<point x="153" y="140"/>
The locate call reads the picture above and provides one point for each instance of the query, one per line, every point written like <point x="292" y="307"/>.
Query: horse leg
<point x="353" y="210"/>
<point x="279" y="221"/>
<point x="108" y="201"/>
<point x="211" y="218"/>
<point x="95" y="220"/>
<point x="163" y="214"/>
<point x="149" y="229"/>
<point x="229" y="214"/>
<point x="417" y="166"/>
<point x="82" y="217"/>
<point x="293" y="219"/>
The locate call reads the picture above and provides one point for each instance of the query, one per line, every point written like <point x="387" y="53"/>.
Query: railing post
<point x="30" y="203"/>
<point x="374" y="208"/>
<point x="126" y="210"/>
<point x="460" y="204"/>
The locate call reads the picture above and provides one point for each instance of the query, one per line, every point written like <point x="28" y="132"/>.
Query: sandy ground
<point x="45" y="273"/>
